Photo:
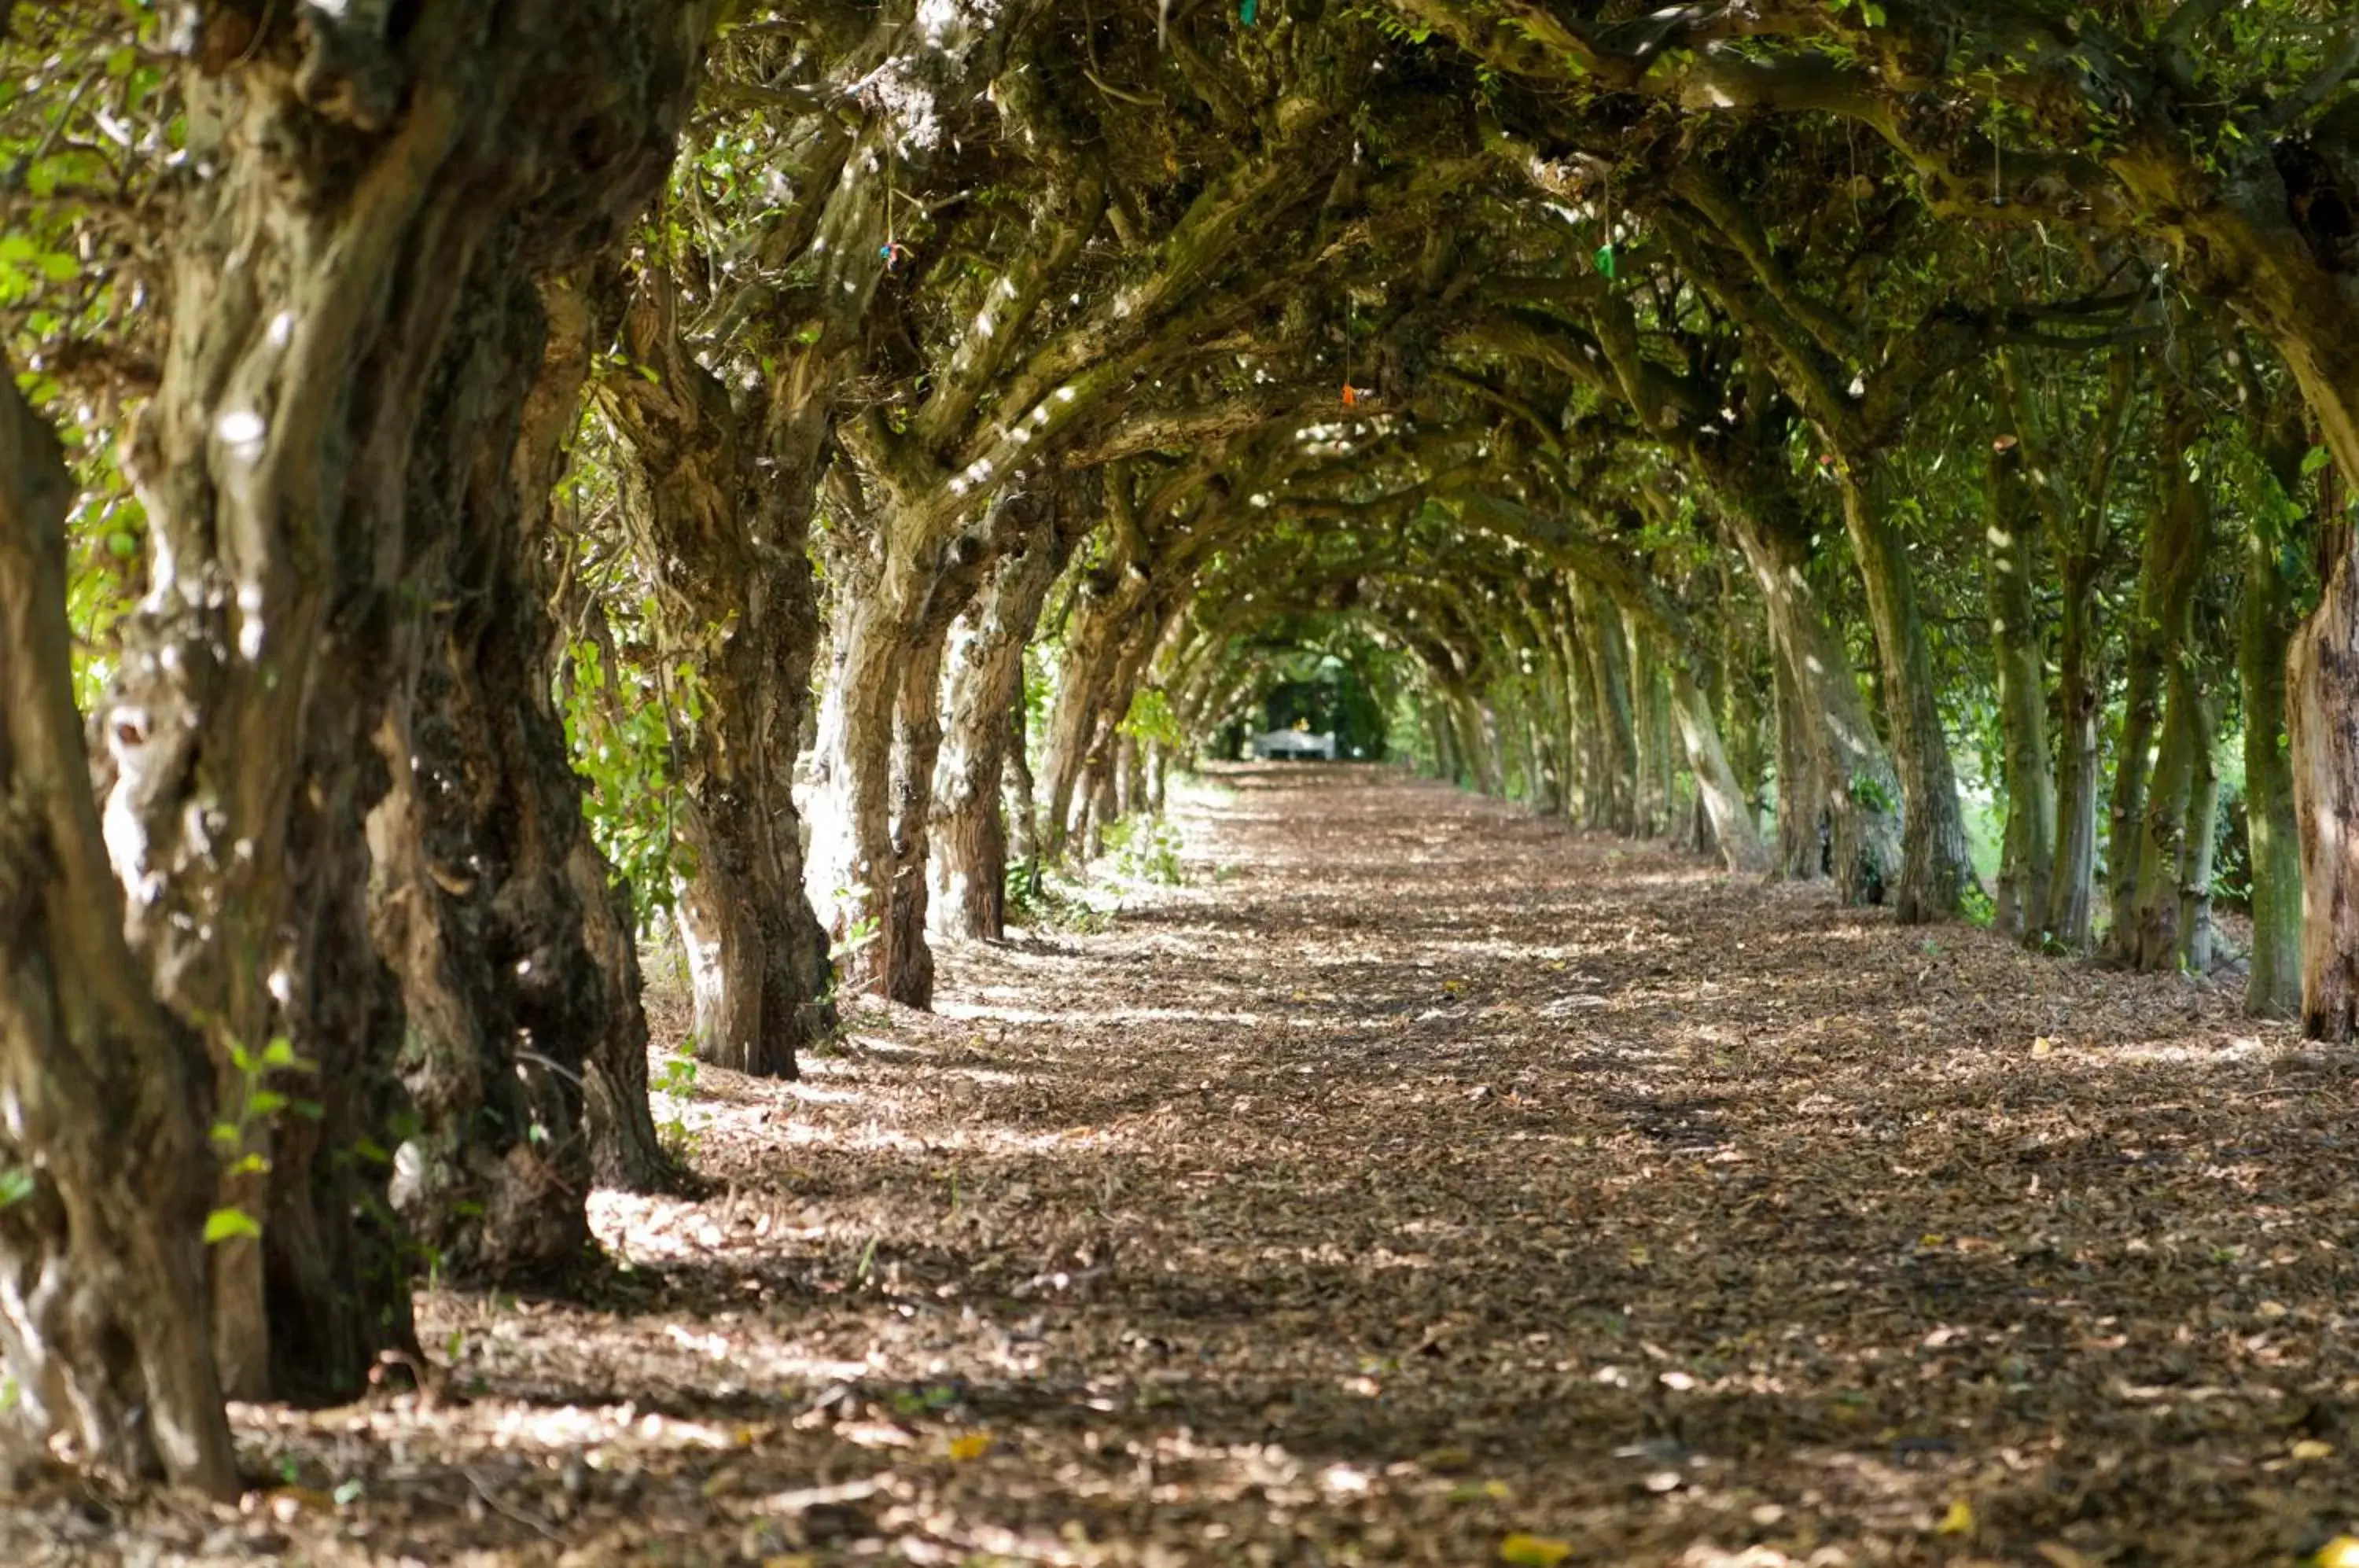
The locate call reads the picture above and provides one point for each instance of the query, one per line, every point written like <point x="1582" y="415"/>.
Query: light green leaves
<point x="227" y="1224"/>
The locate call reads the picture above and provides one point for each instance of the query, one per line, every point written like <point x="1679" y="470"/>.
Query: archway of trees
<point x="482" y="483"/>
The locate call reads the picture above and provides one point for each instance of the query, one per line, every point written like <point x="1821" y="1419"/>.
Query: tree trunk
<point x="2322" y="676"/>
<point x="513" y="1006"/>
<point x="1609" y="675"/>
<point x="2199" y="841"/>
<point x="917" y="750"/>
<point x="2150" y="940"/>
<point x="983" y="740"/>
<point x="1107" y="602"/>
<point x="1857" y="790"/>
<point x="1475" y="743"/>
<point x="1650" y="729"/>
<point x="1720" y="796"/>
<point x="2154" y="939"/>
<point x="2169" y="569"/>
<point x="2265" y="626"/>
<point x="104" y="1327"/>
<point x="2080" y="704"/>
<point x="1801" y="855"/>
<point x="1935" y="871"/>
<point x="2070" y="473"/>
<point x="2021" y="900"/>
<point x="1593" y="773"/>
<point x="736" y="622"/>
<point x="850" y="867"/>
<point x="1020" y="810"/>
<point x="1438" y="731"/>
<point x="358" y="178"/>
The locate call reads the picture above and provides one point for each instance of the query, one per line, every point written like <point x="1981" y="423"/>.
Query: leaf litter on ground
<point x="1422" y="1182"/>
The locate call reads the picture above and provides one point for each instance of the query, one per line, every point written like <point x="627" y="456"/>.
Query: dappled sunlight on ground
<point x="1419" y="1173"/>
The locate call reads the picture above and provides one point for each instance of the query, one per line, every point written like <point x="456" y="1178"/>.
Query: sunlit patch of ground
<point x="1418" y="1175"/>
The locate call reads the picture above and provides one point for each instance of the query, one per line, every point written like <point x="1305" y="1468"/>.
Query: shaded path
<point x="1419" y="1174"/>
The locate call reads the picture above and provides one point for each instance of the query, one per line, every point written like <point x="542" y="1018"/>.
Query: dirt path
<point x="1418" y="1175"/>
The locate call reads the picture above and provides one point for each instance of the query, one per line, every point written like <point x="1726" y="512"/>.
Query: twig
<point x="518" y="1515"/>
<point x="1113" y="92"/>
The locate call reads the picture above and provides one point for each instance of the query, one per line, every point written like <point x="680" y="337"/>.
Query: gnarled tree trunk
<point x="2322" y="721"/>
<point x="468" y="897"/>
<point x="1106" y="603"/>
<point x="361" y="172"/>
<point x="982" y="739"/>
<point x="723" y="535"/>
<point x="917" y="750"/>
<point x="103" y="1294"/>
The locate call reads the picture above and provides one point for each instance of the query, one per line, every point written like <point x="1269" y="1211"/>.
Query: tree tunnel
<point x="490" y="489"/>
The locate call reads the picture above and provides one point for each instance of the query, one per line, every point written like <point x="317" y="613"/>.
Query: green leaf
<point x="15" y="1185"/>
<point x="2313" y="459"/>
<point x="222" y="1224"/>
<point x="266" y="1102"/>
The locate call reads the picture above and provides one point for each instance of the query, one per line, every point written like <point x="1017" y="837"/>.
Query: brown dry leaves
<point x="1433" y="1181"/>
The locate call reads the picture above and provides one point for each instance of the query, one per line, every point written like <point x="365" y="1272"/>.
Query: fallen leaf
<point x="970" y="1445"/>
<point x="1476" y="1491"/>
<point x="1534" y="1551"/>
<point x="1958" y="1520"/>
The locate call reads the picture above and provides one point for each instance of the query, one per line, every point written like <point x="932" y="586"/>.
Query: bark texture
<point x="984" y="710"/>
<point x="103" y="1294"/>
<point x="367" y="161"/>
<point x="737" y="615"/>
<point x="2321" y="674"/>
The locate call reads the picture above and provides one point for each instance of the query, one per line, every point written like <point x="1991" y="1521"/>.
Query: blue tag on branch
<point x="1248" y="11"/>
<point x="1606" y="260"/>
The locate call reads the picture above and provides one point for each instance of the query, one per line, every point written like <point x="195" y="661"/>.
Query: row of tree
<point x="529" y="465"/>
